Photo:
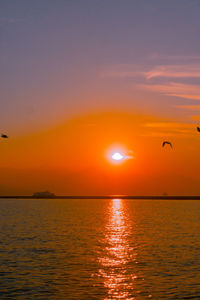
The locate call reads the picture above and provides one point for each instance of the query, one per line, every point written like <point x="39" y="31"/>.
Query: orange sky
<point x="81" y="77"/>
<point x="71" y="158"/>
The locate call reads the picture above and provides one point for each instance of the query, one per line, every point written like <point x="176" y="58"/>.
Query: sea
<point x="99" y="249"/>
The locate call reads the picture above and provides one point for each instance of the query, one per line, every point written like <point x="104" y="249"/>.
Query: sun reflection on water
<point x="114" y="270"/>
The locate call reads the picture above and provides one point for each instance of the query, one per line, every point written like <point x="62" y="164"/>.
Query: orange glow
<point x="77" y="156"/>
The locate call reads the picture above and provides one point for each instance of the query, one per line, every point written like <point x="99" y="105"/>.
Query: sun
<point x="117" y="156"/>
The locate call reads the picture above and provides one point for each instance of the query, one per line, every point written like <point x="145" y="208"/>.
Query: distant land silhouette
<point x="45" y="194"/>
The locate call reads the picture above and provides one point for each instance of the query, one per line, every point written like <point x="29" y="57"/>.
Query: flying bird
<point x="198" y="128"/>
<point x="4" y="136"/>
<point x="166" y="142"/>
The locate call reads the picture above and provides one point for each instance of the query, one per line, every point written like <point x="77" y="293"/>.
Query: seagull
<point x="198" y="128"/>
<point x="166" y="142"/>
<point x="4" y="136"/>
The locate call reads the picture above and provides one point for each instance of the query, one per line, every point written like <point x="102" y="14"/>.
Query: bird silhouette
<point x="166" y="142"/>
<point x="4" y="136"/>
<point x="198" y="128"/>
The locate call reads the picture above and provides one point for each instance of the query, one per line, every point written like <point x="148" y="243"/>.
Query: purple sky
<point x="63" y="58"/>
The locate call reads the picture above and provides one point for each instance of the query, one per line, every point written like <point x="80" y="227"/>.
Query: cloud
<point x="171" y="77"/>
<point x="177" y="71"/>
<point x="169" y="129"/>
<point x="147" y="72"/>
<point x="168" y="125"/>
<point x="176" y="76"/>
<point x="174" y="89"/>
<point x="162" y="134"/>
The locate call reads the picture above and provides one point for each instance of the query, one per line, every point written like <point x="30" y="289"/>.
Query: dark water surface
<point x="99" y="249"/>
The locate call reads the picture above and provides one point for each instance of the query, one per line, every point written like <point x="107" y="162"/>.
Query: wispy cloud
<point x="174" y="125"/>
<point x="171" y="134"/>
<point x="148" y="72"/>
<point x="170" y="129"/>
<point x="178" y="71"/>
<point x="174" y="89"/>
<point x="172" y="76"/>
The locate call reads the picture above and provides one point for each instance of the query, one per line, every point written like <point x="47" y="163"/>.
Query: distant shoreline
<point x="108" y="197"/>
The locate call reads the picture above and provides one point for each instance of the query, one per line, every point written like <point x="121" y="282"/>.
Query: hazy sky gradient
<point x="64" y="61"/>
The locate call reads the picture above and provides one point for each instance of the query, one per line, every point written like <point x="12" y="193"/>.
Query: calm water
<point x="99" y="249"/>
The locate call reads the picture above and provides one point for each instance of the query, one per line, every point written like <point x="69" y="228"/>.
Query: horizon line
<point x="139" y="197"/>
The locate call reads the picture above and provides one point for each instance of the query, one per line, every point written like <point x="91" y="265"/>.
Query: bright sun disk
<point x="117" y="156"/>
